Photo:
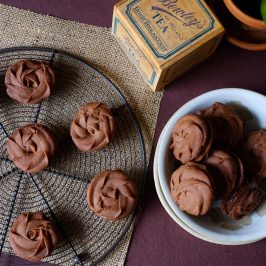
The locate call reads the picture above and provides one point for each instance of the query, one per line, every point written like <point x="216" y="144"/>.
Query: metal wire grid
<point x="60" y="190"/>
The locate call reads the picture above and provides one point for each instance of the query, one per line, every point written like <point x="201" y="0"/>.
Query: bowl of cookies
<point x="210" y="165"/>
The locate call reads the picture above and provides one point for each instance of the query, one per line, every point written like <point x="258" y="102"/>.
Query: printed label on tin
<point x="134" y="52"/>
<point x="168" y="26"/>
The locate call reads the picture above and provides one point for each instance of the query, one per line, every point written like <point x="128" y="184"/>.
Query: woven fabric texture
<point x="96" y="46"/>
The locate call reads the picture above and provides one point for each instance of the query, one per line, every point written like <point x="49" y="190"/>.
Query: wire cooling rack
<point x="60" y="190"/>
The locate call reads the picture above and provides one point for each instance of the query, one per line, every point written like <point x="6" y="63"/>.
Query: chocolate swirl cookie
<point x="253" y="153"/>
<point x="227" y="171"/>
<point x="31" y="147"/>
<point x="112" y="195"/>
<point x="227" y="124"/>
<point x="32" y="236"/>
<point x="243" y="201"/>
<point x="191" y="138"/>
<point x="93" y="127"/>
<point x="29" y="81"/>
<point x="192" y="189"/>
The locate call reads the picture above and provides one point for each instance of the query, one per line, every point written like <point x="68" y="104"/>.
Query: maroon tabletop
<point x="157" y="239"/>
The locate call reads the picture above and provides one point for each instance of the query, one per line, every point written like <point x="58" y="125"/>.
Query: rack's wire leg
<point x="13" y="200"/>
<point x="40" y="104"/>
<point x="38" y="112"/>
<point x="8" y="173"/>
<point x="5" y="160"/>
<point x="77" y="259"/>
<point x="3" y="128"/>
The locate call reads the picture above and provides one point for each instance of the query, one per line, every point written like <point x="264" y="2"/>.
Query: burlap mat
<point x="98" y="47"/>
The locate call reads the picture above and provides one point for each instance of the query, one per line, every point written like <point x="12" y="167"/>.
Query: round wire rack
<point x="60" y="190"/>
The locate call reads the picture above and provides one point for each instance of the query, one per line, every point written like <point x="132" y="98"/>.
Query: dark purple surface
<point x="96" y="12"/>
<point x="9" y="260"/>
<point x="157" y="240"/>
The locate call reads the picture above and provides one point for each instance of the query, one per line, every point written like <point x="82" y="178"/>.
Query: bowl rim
<point x="245" y="45"/>
<point x="232" y="239"/>
<point x="230" y="36"/>
<point x="243" y="17"/>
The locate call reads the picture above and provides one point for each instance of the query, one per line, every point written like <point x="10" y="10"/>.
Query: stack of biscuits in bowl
<point x="209" y="166"/>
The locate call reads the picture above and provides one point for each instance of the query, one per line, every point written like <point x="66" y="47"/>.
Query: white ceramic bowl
<point x="166" y="205"/>
<point x="170" y="211"/>
<point x="213" y="226"/>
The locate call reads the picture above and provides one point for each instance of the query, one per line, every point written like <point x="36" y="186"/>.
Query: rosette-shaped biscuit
<point x="112" y="195"/>
<point x="243" y="201"/>
<point x="192" y="189"/>
<point x="227" y="171"/>
<point x="93" y="127"/>
<point x="191" y="138"/>
<point x="29" y="81"/>
<point x="227" y="124"/>
<point x="31" y="147"/>
<point x="32" y="236"/>
<point x="253" y="153"/>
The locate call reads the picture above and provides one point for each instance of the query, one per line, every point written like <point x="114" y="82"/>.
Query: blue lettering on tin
<point x="168" y="9"/>
<point x="160" y="22"/>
